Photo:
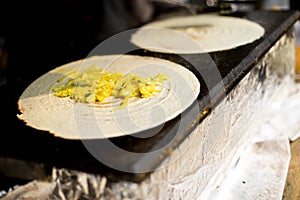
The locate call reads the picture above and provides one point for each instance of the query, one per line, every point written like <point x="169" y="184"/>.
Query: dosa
<point x="202" y="33"/>
<point x="65" y="118"/>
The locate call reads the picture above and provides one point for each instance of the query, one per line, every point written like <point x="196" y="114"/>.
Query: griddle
<point x="23" y="143"/>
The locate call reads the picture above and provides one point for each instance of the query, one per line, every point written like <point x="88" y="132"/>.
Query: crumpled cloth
<point x="64" y="185"/>
<point x="260" y="173"/>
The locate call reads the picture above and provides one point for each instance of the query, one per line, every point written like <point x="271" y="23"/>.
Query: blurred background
<point x="36" y="36"/>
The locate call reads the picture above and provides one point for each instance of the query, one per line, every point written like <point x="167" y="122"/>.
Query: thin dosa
<point x="65" y="118"/>
<point x="197" y="34"/>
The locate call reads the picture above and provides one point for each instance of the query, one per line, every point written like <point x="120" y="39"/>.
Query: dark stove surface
<point x="22" y="143"/>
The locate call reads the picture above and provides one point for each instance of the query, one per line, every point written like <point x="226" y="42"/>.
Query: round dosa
<point x="196" y="34"/>
<point x="68" y="119"/>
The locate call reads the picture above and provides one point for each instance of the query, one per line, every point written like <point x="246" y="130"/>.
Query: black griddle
<point x="24" y="143"/>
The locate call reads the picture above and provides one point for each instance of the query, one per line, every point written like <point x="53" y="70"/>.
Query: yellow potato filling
<point x="95" y="85"/>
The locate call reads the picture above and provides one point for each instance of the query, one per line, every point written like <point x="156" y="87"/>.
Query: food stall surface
<point x="39" y="157"/>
